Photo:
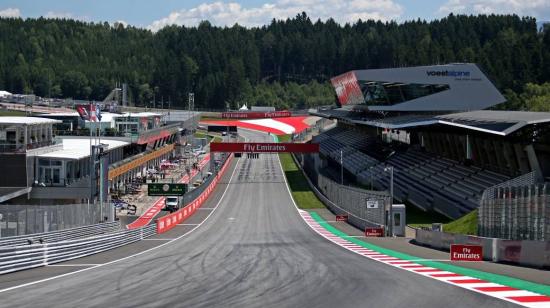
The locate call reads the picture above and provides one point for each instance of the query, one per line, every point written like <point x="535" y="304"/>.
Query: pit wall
<point x="167" y="222"/>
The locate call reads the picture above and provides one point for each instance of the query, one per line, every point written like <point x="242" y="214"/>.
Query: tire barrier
<point x="169" y="221"/>
<point x="61" y="235"/>
<point x="18" y="258"/>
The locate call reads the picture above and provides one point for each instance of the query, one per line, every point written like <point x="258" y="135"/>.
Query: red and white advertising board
<point x="341" y="217"/>
<point x="169" y="221"/>
<point x="256" y="115"/>
<point x="374" y="232"/>
<point x="460" y="252"/>
<point x="252" y="147"/>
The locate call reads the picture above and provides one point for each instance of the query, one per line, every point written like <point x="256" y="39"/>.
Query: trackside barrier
<point x="61" y="235"/>
<point x="524" y="252"/>
<point x="354" y="217"/>
<point x="169" y="221"/>
<point x="18" y="258"/>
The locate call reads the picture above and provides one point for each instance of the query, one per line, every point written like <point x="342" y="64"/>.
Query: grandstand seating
<point x="424" y="179"/>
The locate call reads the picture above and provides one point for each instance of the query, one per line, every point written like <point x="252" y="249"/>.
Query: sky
<point x="155" y="14"/>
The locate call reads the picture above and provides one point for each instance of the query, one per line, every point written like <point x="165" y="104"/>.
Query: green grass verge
<point x="500" y="279"/>
<point x="12" y="113"/>
<point x="302" y="194"/>
<point x="211" y="138"/>
<point x="466" y="224"/>
<point x="299" y="188"/>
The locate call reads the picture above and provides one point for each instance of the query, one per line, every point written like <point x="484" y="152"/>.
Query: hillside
<point x="285" y="64"/>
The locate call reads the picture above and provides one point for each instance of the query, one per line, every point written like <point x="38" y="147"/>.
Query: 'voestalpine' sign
<point x="166" y="189"/>
<point x="448" y="73"/>
<point x="252" y="147"/>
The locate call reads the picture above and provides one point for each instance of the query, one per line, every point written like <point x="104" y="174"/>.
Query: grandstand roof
<point x="494" y="121"/>
<point x="489" y="121"/>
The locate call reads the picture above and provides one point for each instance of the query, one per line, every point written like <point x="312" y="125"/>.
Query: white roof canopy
<point x="27" y="120"/>
<point x="79" y="148"/>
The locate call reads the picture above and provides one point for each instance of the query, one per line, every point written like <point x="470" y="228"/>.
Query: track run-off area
<point x="249" y="247"/>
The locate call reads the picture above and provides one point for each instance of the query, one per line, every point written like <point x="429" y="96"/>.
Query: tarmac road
<point x="254" y="251"/>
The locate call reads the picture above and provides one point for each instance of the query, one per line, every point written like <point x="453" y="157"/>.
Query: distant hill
<point x="270" y="65"/>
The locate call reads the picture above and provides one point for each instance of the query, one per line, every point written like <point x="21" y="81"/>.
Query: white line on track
<point x="72" y="265"/>
<point x="127" y="257"/>
<point x="158" y="239"/>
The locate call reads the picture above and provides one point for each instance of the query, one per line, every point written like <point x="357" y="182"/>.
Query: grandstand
<point x="444" y="156"/>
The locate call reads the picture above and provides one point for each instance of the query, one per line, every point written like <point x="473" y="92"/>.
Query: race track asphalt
<point x="254" y="251"/>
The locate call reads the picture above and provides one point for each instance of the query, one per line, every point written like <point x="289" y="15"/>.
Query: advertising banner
<point x="341" y="217"/>
<point x="374" y="232"/>
<point x="461" y="252"/>
<point x="244" y="147"/>
<point x="166" y="189"/>
<point x="256" y="115"/>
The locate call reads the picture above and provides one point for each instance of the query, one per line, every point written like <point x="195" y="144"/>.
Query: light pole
<point x="389" y="226"/>
<point x="341" y="167"/>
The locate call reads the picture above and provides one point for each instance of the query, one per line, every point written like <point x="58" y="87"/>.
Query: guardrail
<point x="18" y="258"/>
<point x="61" y="235"/>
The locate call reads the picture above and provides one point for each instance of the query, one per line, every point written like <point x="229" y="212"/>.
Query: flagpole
<point x="91" y="159"/>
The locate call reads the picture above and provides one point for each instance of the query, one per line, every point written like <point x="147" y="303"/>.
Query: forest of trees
<point x="285" y="64"/>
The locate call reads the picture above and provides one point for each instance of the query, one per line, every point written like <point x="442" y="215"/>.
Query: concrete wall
<point x="527" y="253"/>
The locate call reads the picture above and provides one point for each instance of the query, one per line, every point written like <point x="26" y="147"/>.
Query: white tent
<point x="243" y="107"/>
<point x="5" y="93"/>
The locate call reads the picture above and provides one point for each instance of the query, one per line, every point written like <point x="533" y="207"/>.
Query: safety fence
<point x="28" y="219"/>
<point x="169" y="221"/>
<point x="63" y="235"/>
<point x="365" y="204"/>
<point x="516" y="213"/>
<point x="18" y="258"/>
<point x="524" y="252"/>
<point x="364" y="208"/>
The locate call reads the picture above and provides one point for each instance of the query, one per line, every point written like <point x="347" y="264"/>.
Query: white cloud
<point x="10" y="12"/>
<point x="227" y="14"/>
<point x="537" y="8"/>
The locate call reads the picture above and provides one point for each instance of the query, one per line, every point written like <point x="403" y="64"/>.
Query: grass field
<point x="12" y="113"/>
<point x="466" y="224"/>
<point x="302" y="194"/>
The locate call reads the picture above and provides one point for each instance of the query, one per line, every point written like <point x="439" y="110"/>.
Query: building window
<point x="391" y="93"/>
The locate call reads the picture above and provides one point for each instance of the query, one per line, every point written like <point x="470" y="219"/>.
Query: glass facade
<point x="391" y="93"/>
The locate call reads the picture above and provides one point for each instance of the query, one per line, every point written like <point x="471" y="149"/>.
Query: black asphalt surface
<point x="253" y="251"/>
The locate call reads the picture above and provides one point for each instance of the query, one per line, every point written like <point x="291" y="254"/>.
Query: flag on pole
<point x="98" y="112"/>
<point x="84" y="112"/>
<point x="88" y="112"/>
